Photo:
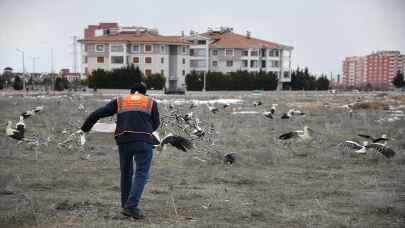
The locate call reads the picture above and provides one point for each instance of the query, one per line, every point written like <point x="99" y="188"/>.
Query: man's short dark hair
<point x="139" y="87"/>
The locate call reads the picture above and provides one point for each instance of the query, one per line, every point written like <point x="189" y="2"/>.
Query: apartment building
<point x="382" y="67"/>
<point x="377" y="69"/>
<point x="354" y="71"/>
<point x="115" y="47"/>
<point x="108" y="46"/>
<point x="222" y="50"/>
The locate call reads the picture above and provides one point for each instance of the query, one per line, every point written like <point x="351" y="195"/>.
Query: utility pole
<point x="33" y="63"/>
<point x="74" y="54"/>
<point x="52" y="71"/>
<point x="205" y="81"/>
<point x="23" y="67"/>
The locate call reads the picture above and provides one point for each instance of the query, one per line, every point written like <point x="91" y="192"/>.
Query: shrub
<point x="240" y="80"/>
<point x="18" y="83"/>
<point x="61" y="84"/>
<point x="122" y="78"/>
<point x="155" y="81"/>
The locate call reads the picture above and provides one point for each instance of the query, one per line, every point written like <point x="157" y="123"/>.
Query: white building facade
<point x="150" y="52"/>
<point x="108" y="46"/>
<point x="224" y="51"/>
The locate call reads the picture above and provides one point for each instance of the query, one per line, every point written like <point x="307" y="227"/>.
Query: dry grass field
<point x="272" y="184"/>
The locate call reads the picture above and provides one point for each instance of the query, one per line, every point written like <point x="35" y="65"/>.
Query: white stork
<point x="382" y="140"/>
<point x="177" y="141"/>
<point x="363" y="148"/>
<point x="303" y="135"/>
<point x="14" y="133"/>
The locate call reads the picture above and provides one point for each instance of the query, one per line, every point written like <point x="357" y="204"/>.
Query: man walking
<point x="137" y="118"/>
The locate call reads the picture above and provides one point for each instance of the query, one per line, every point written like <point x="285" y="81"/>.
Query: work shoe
<point x="133" y="212"/>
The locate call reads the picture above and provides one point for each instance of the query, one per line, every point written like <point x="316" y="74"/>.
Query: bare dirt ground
<point x="271" y="184"/>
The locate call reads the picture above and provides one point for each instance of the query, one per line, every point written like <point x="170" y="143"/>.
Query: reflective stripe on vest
<point x="135" y="102"/>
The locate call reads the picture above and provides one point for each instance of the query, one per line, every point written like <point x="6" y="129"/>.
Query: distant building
<point x="377" y="69"/>
<point x="354" y="71"/>
<point x="142" y="47"/>
<point x="101" y="29"/>
<point x="382" y="67"/>
<point x="108" y="46"/>
<point x="65" y="72"/>
<point x="222" y="50"/>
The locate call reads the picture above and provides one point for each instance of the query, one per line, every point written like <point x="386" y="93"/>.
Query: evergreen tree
<point x="155" y="81"/>
<point x="398" y="80"/>
<point x="18" y="83"/>
<point x="61" y="83"/>
<point x="322" y="83"/>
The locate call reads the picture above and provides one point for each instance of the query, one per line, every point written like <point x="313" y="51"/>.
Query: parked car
<point x="402" y="89"/>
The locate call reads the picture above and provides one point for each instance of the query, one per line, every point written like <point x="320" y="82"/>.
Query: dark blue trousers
<point x="132" y="185"/>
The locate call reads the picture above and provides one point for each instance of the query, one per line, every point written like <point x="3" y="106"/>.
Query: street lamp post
<point x="33" y="63"/>
<point x="23" y="66"/>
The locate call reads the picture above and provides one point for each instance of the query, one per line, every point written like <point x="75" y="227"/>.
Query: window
<point x="162" y="49"/>
<point x="263" y="52"/>
<point x="183" y="72"/>
<point x="148" y="59"/>
<point x="275" y="63"/>
<point x="100" y="59"/>
<point x="117" y="48"/>
<point x="214" y="52"/>
<point x="184" y="61"/>
<point x="244" y="63"/>
<point x="85" y="59"/>
<point x="228" y="52"/>
<point x="135" y="48"/>
<point x="245" y="53"/>
<point x="263" y="63"/>
<point x="148" y="72"/>
<point x="191" y="52"/>
<point x="117" y="59"/>
<point x="253" y="53"/>
<point x="201" y="42"/>
<point x="184" y="50"/>
<point x="85" y="47"/>
<point x="214" y="63"/>
<point x="148" y="48"/>
<point x="99" y="47"/>
<point x="162" y="60"/>
<point x="162" y="72"/>
<point x="135" y="59"/>
<point x="229" y="63"/>
<point x="274" y="53"/>
<point x="253" y="63"/>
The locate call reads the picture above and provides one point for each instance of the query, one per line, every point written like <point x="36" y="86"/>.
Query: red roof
<point x="107" y="25"/>
<point x="234" y="40"/>
<point x="135" y="37"/>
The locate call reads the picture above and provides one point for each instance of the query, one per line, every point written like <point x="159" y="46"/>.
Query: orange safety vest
<point x="133" y="102"/>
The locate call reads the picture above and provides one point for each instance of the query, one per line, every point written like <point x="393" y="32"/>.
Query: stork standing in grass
<point x="302" y="135"/>
<point x="273" y="108"/>
<point x="15" y="133"/>
<point x="212" y="109"/>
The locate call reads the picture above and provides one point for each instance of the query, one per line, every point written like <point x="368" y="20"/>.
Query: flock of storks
<point x="378" y="144"/>
<point x="188" y="121"/>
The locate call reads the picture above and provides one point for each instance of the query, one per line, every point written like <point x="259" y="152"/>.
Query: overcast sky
<point x="322" y="32"/>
